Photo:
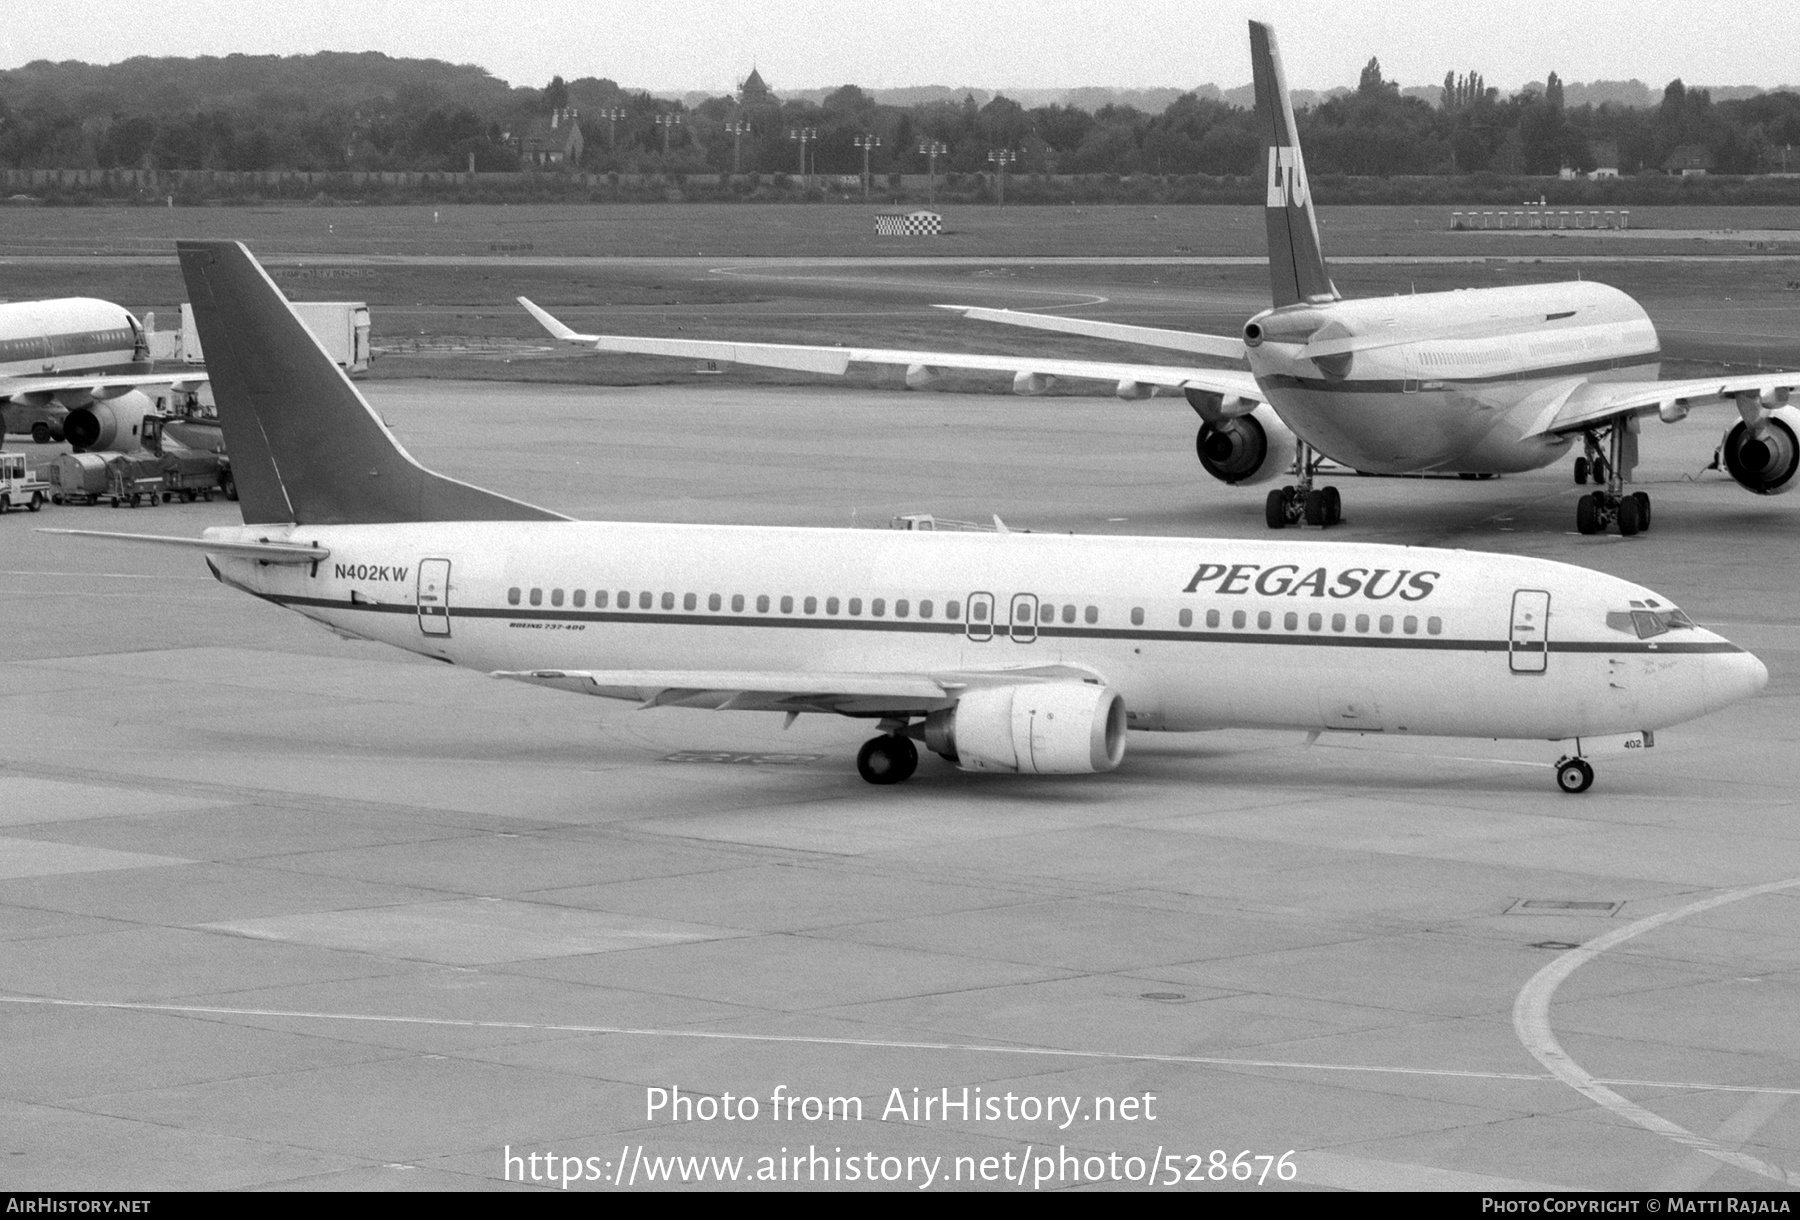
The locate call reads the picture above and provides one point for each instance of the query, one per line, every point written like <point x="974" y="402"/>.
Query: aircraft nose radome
<point x="1733" y="676"/>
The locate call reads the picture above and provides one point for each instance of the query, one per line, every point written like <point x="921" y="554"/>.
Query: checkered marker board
<point x="910" y="224"/>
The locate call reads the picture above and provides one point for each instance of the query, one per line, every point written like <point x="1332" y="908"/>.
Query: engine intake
<point x="1247" y="449"/>
<point x="1037" y="728"/>
<point x="1765" y="459"/>
<point x="112" y="426"/>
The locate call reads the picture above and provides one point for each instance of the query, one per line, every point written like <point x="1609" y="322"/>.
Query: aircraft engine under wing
<point x="1029" y="373"/>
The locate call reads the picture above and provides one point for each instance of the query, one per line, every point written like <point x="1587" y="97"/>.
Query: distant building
<point x="1606" y="160"/>
<point x="754" y="92"/>
<point x="552" y="141"/>
<point x="1689" y="161"/>
<point x="913" y="222"/>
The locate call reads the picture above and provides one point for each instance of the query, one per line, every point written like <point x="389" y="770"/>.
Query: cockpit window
<point x="1645" y="620"/>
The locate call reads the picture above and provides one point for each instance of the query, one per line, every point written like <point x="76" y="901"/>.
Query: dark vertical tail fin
<point x="1296" y="266"/>
<point x="304" y="445"/>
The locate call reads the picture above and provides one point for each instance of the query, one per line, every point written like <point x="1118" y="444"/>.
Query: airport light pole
<point x="1002" y="157"/>
<point x="612" y="115"/>
<point x="804" y="135"/>
<point x="867" y="142"/>
<point x="668" y="122"/>
<point x="738" y="130"/>
<point x="931" y="149"/>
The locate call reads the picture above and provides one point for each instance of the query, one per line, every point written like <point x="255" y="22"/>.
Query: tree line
<point x="334" y="112"/>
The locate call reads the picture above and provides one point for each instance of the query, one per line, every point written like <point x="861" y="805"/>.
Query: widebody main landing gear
<point x="1599" y="509"/>
<point x="887" y="759"/>
<point x="1574" y="774"/>
<point x="1320" y="506"/>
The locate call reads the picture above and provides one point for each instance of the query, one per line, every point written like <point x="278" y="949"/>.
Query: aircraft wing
<point x="95" y="387"/>
<point x="1592" y="402"/>
<point x="1031" y="374"/>
<point x="791" y="691"/>
<point x="1223" y="346"/>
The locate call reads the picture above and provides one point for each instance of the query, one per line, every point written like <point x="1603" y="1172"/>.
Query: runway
<point x="280" y="910"/>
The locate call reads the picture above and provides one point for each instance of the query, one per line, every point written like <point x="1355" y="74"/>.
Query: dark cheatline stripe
<point x="1353" y="385"/>
<point x="922" y="627"/>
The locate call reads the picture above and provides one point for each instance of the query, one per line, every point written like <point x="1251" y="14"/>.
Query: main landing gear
<point x="1574" y="774"/>
<point x="887" y="759"/>
<point x="1320" y="506"/>
<point x="1599" y="509"/>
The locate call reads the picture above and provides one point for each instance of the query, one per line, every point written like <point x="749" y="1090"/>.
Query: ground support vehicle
<point x="18" y="486"/>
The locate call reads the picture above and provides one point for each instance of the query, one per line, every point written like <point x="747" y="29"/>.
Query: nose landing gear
<point x="1574" y="774"/>
<point x="1320" y="506"/>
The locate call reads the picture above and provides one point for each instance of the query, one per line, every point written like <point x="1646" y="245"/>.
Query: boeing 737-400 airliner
<point x="1029" y="653"/>
<point x="1476" y="381"/>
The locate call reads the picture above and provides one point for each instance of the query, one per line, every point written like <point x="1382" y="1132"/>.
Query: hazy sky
<point x="710" y="44"/>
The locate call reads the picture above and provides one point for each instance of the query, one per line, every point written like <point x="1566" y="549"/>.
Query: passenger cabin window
<point x="979" y="612"/>
<point x="556" y="597"/>
<point x="1137" y="616"/>
<point x="787" y="605"/>
<point x="737" y="603"/>
<point x="1387" y="624"/>
<point x="878" y="607"/>
<point x="580" y="598"/>
<point x="1315" y="622"/>
<point x="901" y="607"/>
<point x="1239" y="618"/>
<point x="1186" y="618"/>
<point x="537" y="597"/>
<point x="668" y="601"/>
<point x="512" y="596"/>
<point x="1091" y="615"/>
<point x="690" y="602"/>
<point x="762" y="603"/>
<point x="646" y="600"/>
<point x="925" y="609"/>
<point x="856" y="605"/>
<point x="714" y="601"/>
<point x="1410" y="625"/>
<point x="1068" y="613"/>
<point x="1291" y="621"/>
<point x="599" y="599"/>
<point x="831" y="605"/>
<point x="953" y="610"/>
<point x="810" y="605"/>
<point x="1434" y="625"/>
<point x="1362" y="622"/>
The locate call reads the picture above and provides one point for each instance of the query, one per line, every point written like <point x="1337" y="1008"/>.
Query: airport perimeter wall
<point x="186" y="187"/>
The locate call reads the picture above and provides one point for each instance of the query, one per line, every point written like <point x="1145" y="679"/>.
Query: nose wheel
<point x="1574" y="775"/>
<point x="887" y="759"/>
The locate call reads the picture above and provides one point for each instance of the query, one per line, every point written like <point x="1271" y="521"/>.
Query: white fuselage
<point x="1459" y="381"/>
<point x="70" y="335"/>
<point x="1194" y="634"/>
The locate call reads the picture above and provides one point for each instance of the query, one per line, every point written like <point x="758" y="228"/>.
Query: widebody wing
<point x="1224" y="347"/>
<point x="1031" y="374"/>
<point x="75" y="389"/>
<point x="1590" y="403"/>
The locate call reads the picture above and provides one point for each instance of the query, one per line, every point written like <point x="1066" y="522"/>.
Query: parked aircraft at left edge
<point x="1002" y="652"/>
<point x="84" y="357"/>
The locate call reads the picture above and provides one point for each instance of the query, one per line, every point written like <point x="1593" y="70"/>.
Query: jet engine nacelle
<point x="1247" y="449"/>
<point x="1037" y="728"/>
<point x="1764" y="459"/>
<point x="113" y="426"/>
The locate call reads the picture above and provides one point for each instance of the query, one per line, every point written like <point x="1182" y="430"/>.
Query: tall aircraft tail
<point x="1296" y="266"/>
<point x="305" y="445"/>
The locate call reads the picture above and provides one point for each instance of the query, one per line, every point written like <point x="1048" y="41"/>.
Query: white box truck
<point x="342" y="327"/>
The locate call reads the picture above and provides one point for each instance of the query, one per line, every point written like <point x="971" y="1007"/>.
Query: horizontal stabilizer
<point x="267" y="552"/>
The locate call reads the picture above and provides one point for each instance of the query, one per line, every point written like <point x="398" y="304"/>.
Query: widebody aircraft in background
<point x="80" y="369"/>
<point x="1476" y="381"/>
<point x="1009" y="652"/>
